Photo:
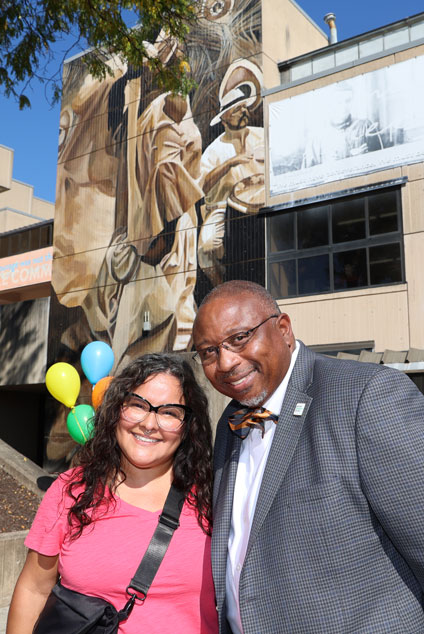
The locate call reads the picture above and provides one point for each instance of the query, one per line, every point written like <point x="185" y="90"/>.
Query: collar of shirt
<point x="275" y="403"/>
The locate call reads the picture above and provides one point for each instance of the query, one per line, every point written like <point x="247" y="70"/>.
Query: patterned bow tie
<point x="244" y="419"/>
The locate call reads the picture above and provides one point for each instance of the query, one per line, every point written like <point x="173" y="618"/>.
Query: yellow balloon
<point x="63" y="382"/>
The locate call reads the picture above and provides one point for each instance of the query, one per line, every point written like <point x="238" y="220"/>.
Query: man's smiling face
<point x="251" y="375"/>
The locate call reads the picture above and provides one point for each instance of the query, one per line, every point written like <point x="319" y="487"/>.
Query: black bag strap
<point x="169" y="521"/>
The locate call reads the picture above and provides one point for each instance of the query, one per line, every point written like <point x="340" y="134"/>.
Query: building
<point x="146" y="188"/>
<point x="345" y="195"/>
<point x="26" y="233"/>
<point x="295" y="164"/>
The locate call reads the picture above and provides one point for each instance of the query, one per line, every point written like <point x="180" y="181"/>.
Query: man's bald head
<point x="236" y="287"/>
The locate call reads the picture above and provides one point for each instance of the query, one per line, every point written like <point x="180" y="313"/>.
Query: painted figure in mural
<point x="126" y="194"/>
<point x="129" y="191"/>
<point x="98" y="199"/>
<point x="216" y="10"/>
<point x="89" y="162"/>
<point x="232" y="165"/>
<point x="344" y="135"/>
<point x="156" y="235"/>
<point x="163" y="167"/>
<point x="96" y="520"/>
<point x="319" y="473"/>
<point x="83" y="184"/>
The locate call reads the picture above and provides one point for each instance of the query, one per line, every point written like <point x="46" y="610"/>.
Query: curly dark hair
<point x="100" y="458"/>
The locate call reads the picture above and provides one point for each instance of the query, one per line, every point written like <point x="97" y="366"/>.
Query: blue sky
<point x="33" y="134"/>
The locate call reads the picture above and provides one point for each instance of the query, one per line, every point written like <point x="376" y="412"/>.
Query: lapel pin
<point x="298" y="410"/>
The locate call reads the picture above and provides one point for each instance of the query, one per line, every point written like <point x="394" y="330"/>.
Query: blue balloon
<point x="97" y="360"/>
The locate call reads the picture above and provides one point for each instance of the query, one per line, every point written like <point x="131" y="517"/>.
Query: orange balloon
<point x="99" y="390"/>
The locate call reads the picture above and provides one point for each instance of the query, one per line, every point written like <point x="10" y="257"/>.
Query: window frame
<point x="332" y="248"/>
<point x="26" y="239"/>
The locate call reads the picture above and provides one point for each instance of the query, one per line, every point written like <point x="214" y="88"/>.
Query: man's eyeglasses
<point x="234" y="343"/>
<point x="169" y="417"/>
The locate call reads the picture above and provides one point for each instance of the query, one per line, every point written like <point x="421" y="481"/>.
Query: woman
<point x="95" y="521"/>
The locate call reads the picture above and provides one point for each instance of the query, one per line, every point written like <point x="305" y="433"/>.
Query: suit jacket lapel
<point x="223" y="504"/>
<point x="285" y="440"/>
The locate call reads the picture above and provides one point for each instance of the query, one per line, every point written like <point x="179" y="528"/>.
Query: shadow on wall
<point x="23" y="342"/>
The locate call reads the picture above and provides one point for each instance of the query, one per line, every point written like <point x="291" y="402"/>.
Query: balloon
<point x="97" y="361"/>
<point x="99" y="390"/>
<point x="63" y="382"/>
<point x="80" y="423"/>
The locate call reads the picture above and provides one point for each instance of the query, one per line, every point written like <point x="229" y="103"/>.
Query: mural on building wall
<point x="156" y="193"/>
<point x="359" y="125"/>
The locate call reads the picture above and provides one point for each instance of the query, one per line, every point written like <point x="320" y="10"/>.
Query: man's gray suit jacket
<point x="337" y="540"/>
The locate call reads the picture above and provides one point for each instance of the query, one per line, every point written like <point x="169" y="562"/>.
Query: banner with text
<point x="25" y="269"/>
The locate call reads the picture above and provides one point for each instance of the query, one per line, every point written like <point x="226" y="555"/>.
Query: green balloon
<point x="80" y="423"/>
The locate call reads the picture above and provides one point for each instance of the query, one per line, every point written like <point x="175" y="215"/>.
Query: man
<point x="318" y="525"/>
<point x="236" y="156"/>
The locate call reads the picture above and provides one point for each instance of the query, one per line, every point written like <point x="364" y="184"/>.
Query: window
<point x="353" y="242"/>
<point x="372" y="45"/>
<point x="26" y="239"/>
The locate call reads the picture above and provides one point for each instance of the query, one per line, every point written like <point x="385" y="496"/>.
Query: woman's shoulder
<point x="62" y="482"/>
<point x="50" y="525"/>
<point x="69" y="475"/>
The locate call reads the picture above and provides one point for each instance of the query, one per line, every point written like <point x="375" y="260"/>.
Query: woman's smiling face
<point x="145" y="445"/>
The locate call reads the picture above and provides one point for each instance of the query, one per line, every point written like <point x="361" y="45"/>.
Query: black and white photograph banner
<point x="367" y="123"/>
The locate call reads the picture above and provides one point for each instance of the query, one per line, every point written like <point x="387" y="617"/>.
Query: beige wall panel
<point x="19" y="196"/>
<point x="10" y="220"/>
<point x="286" y="32"/>
<point x="413" y="206"/>
<point x="368" y="315"/>
<point x="408" y="54"/>
<point x="42" y="208"/>
<point x="6" y="167"/>
<point x="413" y="172"/>
<point x="414" y="267"/>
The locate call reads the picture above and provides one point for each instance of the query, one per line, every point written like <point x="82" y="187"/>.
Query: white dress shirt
<point x="252" y="460"/>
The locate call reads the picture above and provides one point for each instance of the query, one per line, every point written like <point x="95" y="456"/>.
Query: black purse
<point x="70" y="612"/>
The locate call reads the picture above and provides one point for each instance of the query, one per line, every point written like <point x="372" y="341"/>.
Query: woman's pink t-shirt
<point x="104" y="558"/>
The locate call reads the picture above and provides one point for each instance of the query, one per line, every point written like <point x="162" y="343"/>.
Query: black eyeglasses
<point x="169" y="417"/>
<point x="234" y="343"/>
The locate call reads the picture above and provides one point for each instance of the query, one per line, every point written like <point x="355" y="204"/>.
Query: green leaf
<point x="29" y="28"/>
<point x="24" y="102"/>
